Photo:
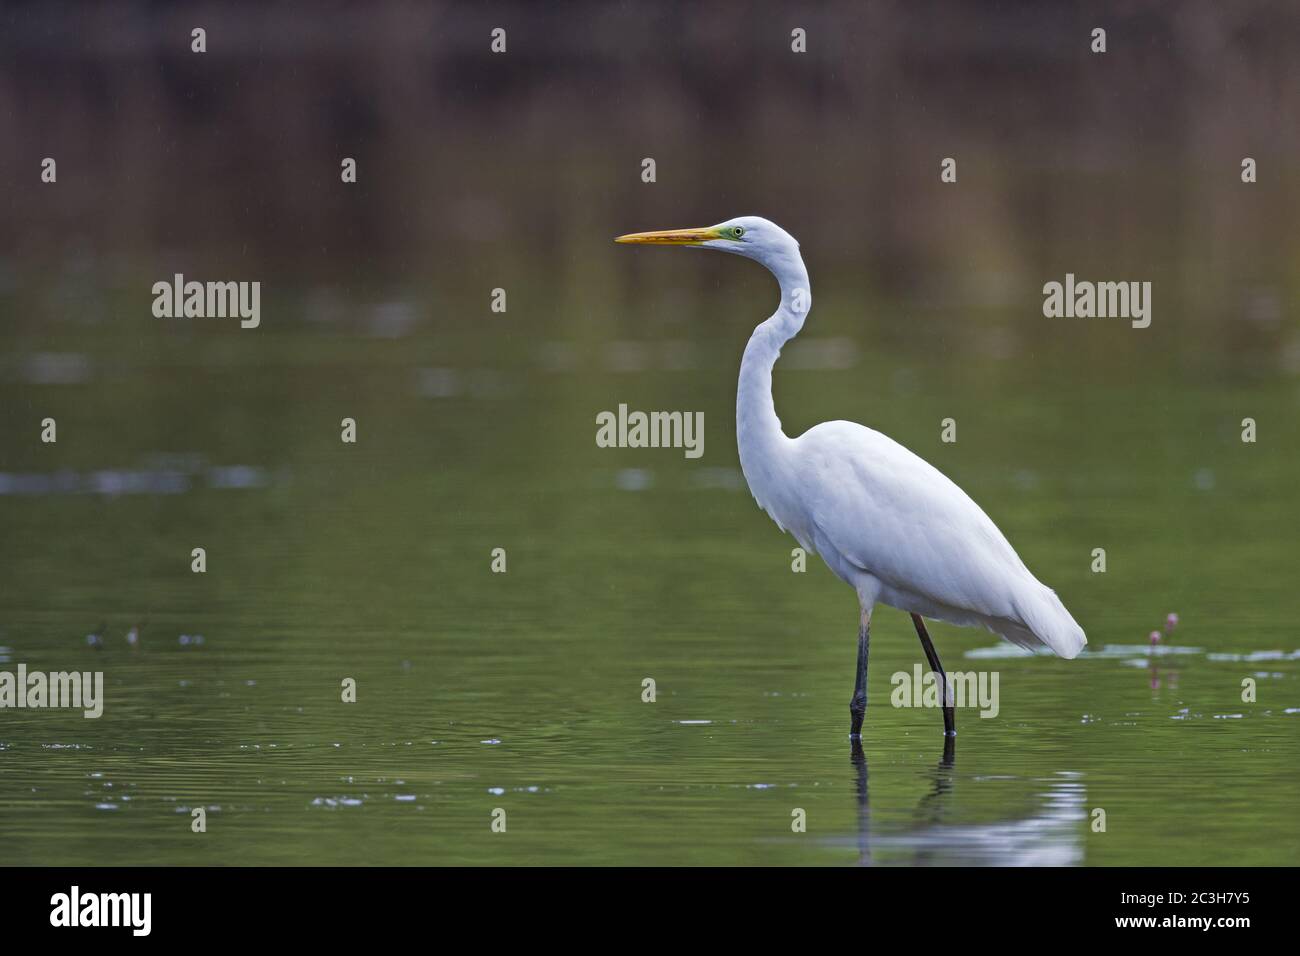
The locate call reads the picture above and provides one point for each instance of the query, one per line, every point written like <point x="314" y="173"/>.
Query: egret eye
<point x="738" y="231"/>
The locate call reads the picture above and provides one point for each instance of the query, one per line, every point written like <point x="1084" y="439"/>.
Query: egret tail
<point x="1048" y="622"/>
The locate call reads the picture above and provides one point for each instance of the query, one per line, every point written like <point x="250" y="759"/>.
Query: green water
<point x="523" y="690"/>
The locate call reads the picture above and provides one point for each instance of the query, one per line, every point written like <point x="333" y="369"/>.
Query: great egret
<point x="884" y="521"/>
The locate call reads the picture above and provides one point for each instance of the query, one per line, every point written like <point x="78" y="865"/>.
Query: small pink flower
<point x="1171" y="622"/>
<point x="1155" y="637"/>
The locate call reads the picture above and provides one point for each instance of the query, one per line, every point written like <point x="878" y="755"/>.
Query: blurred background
<point x="476" y="429"/>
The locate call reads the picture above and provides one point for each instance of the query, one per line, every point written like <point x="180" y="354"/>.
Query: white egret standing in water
<point x="885" y="521"/>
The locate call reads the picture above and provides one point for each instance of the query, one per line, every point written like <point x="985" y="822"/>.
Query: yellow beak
<point x="671" y="237"/>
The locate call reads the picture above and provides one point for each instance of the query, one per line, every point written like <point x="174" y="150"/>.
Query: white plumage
<point x="883" y="519"/>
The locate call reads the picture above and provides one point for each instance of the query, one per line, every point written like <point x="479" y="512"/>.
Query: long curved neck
<point x="758" y="430"/>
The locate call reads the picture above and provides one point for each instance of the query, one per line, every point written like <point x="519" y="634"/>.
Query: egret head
<point x="751" y="236"/>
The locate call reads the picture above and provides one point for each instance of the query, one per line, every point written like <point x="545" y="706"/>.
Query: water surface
<point x="523" y="690"/>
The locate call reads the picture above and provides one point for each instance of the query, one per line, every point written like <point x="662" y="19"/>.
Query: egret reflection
<point x="1050" y="835"/>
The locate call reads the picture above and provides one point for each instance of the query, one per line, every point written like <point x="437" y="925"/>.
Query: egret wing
<point x="896" y="516"/>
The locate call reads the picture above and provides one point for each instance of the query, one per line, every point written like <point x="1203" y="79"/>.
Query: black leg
<point x="858" y="705"/>
<point x="949" y="725"/>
